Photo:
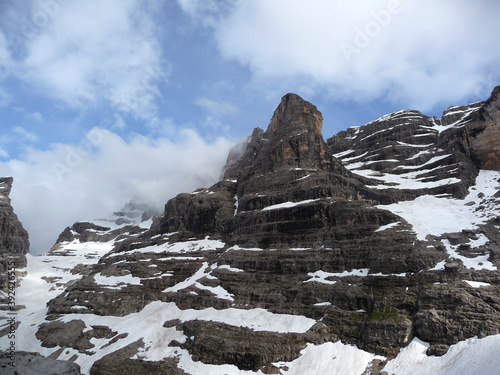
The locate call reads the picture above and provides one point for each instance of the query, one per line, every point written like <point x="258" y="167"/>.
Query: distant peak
<point x="5" y="185"/>
<point x="296" y="113"/>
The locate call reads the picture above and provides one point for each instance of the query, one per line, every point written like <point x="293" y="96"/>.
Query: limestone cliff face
<point x="289" y="164"/>
<point x="484" y="133"/>
<point x="293" y="140"/>
<point x="409" y="154"/>
<point x="414" y="154"/>
<point x="14" y="242"/>
<point x="293" y="113"/>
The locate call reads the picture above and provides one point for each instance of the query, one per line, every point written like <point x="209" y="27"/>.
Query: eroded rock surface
<point x="35" y="364"/>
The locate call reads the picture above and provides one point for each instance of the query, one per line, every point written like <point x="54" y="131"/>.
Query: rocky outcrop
<point x="128" y="221"/>
<point x="35" y="364"/>
<point x="218" y="344"/>
<point x="483" y="131"/>
<point x="447" y="315"/>
<point x="14" y="242"/>
<point x="289" y="164"/>
<point x="417" y="154"/>
<point x="120" y="363"/>
<point x="409" y="154"/>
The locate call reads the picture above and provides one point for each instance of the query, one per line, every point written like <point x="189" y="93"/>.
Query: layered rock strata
<point x="298" y="230"/>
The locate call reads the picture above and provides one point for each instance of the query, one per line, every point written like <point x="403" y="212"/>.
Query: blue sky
<point x="105" y="100"/>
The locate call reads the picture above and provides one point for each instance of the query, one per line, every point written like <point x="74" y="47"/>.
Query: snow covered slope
<point x="408" y="150"/>
<point x="45" y="280"/>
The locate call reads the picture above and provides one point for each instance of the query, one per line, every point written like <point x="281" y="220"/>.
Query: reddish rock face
<point x="294" y="112"/>
<point x="293" y="140"/>
<point x="484" y="134"/>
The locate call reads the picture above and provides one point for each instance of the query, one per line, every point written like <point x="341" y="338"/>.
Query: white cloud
<point x="88" y="52"/>
<point x="413" y="53"/>
<point x="5" y="98"/>
<point x="69" y="183"/>
<point x="119" y="122"/>
<point x="24" y="135"/>
<point x="216" y="107"/>
<point x="206" y="12"/>
<point x="5" y="58"/>
<point x="35" y="115"/>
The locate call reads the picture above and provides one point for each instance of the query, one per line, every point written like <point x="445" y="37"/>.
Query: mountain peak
<point x="295" y="113"/>
<point x="292" y="140"/>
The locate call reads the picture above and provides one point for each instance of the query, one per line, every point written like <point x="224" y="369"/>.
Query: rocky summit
<point x="374" y="252"/>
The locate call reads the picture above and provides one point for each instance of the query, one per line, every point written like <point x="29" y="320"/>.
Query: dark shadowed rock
<point x="120" y="363"/>
<point x="14" y="242"/>
<point x="35" y="364"/>
<point x="483" y="132"/>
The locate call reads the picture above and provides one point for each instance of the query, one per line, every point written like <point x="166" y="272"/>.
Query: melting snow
<point x="347" y="160"/>
<point x="321" y="276"/>
<point x="472" y="357"/>
<point x="418" y="154"/>
<point x="458" y="123"/>
<point x="179" y="258"/>
<point x="177" y="247"/>
<point x="388" y="226"/>
<point x="190" y="280"/>
<point x="436" y="216"/>
<point x="428" y="215"/>
<point x="439" y="266"/>
<point x="288" y="204"/>
<point x="343" y="153"/>
<point x="408" y="180"/>
<point x="34" y="292"/>
<point x="204" y="271"/>
<point x="229" y="268"/>
<point x="303" y="178"/>
<point x="412" y="145"/>
<point x="477" y="263"/>
<point x="236" y="203"/>
<point x="329" y="358"/>
<point x="236" y="247"/>
<point x="430" y="161"/>
<point x="116" y="282"/>
<point x="476" y="284"/>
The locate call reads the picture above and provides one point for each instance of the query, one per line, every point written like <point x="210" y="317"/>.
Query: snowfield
<point x="429" y="214"/>
<point x="473" y="356"/>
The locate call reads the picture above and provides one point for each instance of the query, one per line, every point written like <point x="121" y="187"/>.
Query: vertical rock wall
<point x="14" y="241"/>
